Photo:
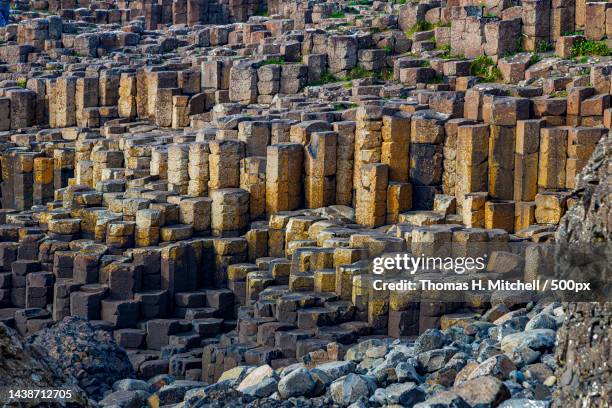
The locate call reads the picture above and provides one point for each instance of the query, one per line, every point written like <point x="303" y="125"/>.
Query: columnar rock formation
<point x="209" y="181"/>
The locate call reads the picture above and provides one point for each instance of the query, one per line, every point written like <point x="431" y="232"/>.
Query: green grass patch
<point x="437" y="79"/>
<point x="419" y="26"/>
<point x="358" y="73"/>
<point x="342" y="106"/>
<point x="337" y="14"/>
<point x="387" y="49"/>
<point x="571" y="33"/>
<point x="589" y="48"/>
<point x="480" y="66"/>
<point x="360" y="3"/>
<point x="485" y="68"/>
<point x="544" y="46"/>
<point x="262" y="13"/>
<point x="535" y="58"/>
<point x="493" y="75"/>
<point x="559" y="94"/>
<point x="326" y="78"/>
<point x="446" y="54"/>
<point x="386" y="73"/>
<point x="273" y="61"/>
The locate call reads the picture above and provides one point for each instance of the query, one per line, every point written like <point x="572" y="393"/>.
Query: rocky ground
<point x="505" y="359"/>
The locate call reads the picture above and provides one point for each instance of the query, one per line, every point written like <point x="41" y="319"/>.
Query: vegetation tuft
<point x="589" y="48"/>
<point x="419" y="26"/>
<point x="273" y="61"/>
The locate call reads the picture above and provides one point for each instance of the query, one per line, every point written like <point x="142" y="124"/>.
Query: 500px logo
<point x="410" y="264"/>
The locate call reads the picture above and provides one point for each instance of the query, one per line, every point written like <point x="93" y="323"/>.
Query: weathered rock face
<point x="583" y="349"/>
<point x="88" y="354"/>
<point x="23" y="365"/>
<point x="590" y="220"/>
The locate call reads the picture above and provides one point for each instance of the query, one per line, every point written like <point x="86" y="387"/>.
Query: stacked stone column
<point x="64" y="102"/>
<point x="472" y="160"/>
<point x="426" y="155"/>
<point x="159" y="162"/>
<point x="224" y="163"/>
<point x="43" y="180"/>
<point x="320" y="169"/>
<point x="368" y="140"/>
<point x="63" y="166"/>
<point x="178" y="168"/>
<point x="253" y="180"/>
<point x="22" y="108"/>
<point x="198" y="169"/>
<point x="345" y="153"/>
<point x="396" y="155"/>
<point x="127" y="96"/>
<point x="371" y="195"/>
<point x="284" y="164"/>
<point x="105" y="159"/>
<point x="552" y="158"/>
<point x="86" y="94"/>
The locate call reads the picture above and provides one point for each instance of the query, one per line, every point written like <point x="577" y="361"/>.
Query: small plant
<point x="21" y="82"/>
<point x="386" y="73"/>
<point x="360" y="3"/>
<point x="425" y="64"/>
<point x="419" y="26"/>
<point x="437" y="79"/>
<point x="357" y="73"/>
<point x="493" y="75"/>
<point x="480" y="66"/>
<point x="387" y="49"/>
<point x="571" y="33"/>
<point x="535" y="58"/>
<point x="338" y="106"/>
<point x="262" y="13"/>
<point x="52" y="67"/>
<point x="326" y="78"/>
<point x="583" y="60"/>
<point x="273" y="61"/>
<point x="583" y="48"/>
<point x="446" y="53"/>
<point x="442" y="24"/>
<point x="490" y="15"/>
<point x="485" y="68"/>
<point x="559" y="94"/>
<point x="544" y="46"/>
<point x="337" y="14"/>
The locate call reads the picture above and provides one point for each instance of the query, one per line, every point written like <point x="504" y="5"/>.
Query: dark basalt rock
<point x="90" y="355"/>
<point x="27" y="366"/>
<point x="583" y="342"/>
